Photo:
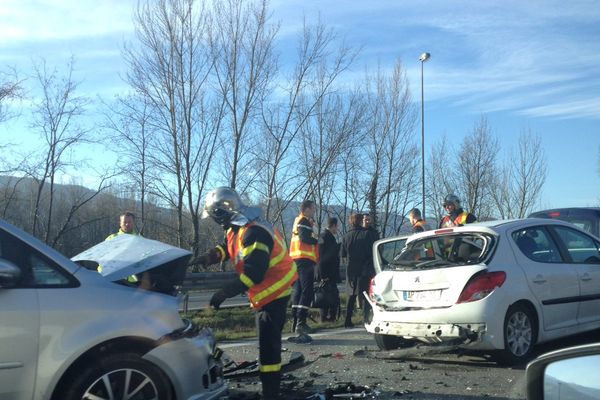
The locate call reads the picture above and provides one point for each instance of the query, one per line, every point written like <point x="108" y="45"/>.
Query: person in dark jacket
<point x="328" y="269"/>
<point x="357" y="250"/>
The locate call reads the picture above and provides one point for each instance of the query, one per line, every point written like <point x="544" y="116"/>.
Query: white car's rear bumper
<point x="477" y="324"/>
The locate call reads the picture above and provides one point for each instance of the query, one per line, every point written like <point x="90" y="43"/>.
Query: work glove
<point x="218" y="298"/>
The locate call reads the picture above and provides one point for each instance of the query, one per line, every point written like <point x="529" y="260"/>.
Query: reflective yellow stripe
<point x="462" y="218"/>
<point x="270" y="368"/>
<point x="246" y="280"/>
<point x="275" y="260"/>
<point x="255" y="246"/>
<point x="222" y="252"/>
<point x="277" y="286"/>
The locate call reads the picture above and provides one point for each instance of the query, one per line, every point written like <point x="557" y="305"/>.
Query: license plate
<point x="422" y="295"/>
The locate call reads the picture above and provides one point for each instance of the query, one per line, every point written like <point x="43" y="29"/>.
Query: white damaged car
<point x="499" y="286"/>
<point x="68" y="332"/>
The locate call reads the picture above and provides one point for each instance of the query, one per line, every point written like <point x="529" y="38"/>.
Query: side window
<point x="581" y="248"/>
<point x="36" y="270"/>
<point x="535" y="243"/>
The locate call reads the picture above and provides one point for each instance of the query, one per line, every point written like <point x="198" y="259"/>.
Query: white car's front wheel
<point x="120" y="376"/>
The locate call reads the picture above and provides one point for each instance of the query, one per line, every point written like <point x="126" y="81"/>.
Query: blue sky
<point x="524" y="65"/>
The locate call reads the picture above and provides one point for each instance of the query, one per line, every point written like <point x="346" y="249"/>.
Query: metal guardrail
<point x="207" y="280"/>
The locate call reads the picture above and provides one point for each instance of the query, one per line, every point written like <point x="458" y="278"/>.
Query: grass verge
<point x="239" y="323"/>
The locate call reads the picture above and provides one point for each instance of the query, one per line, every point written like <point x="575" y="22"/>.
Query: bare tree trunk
<point x="55" y="116"/>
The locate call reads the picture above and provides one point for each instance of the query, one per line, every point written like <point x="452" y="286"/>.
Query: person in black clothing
<point x="328" y="269"/>
<point x="369" y="271"/>
<point x="357" y="250"/>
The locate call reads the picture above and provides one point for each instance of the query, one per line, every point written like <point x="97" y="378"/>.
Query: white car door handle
<point x="539" y="279"/>
<point x="586" y="277"/>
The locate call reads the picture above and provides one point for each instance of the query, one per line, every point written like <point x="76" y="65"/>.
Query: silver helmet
<point x="451" y="199"/>
<point x="222" y="205"/>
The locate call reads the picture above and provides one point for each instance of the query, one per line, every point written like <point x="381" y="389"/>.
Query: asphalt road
<point x="337" y="358"/>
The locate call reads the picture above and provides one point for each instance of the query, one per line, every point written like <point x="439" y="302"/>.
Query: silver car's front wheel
<point x="120" y="377"/>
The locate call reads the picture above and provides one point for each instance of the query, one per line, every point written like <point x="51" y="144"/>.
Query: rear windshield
<point x="435" y="252"/>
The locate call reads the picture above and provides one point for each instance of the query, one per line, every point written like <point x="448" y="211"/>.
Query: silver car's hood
<point x="127" y="255"/>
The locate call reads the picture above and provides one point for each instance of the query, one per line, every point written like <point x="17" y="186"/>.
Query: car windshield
<point x="435" y="251"/>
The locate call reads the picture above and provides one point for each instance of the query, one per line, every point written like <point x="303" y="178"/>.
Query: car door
<point x="554" y="284"/>
<point x="584" y="257"/>
<point x="19" y="329"/>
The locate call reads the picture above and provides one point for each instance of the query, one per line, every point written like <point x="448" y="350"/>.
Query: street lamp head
<point x="424" y="57"/>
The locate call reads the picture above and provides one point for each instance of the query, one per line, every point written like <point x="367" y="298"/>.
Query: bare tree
<point x="128" y="119"/>
<point x="392" y="157"/>
<point x="10" y="89"/>
<point x="242" y="43"/>
<point x="521" y="180"/>
<point x="55" y="116"/>
<point x="170" y="70"/>
<point x="476" y="165"/>
<point x="305" y="134"/>
<point x="442" y="177"/>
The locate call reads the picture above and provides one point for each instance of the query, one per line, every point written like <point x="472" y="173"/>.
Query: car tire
<point x="124" y="373"/>
<point x="520" y="335"/>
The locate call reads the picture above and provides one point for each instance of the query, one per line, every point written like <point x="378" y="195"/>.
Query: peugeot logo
<point x="417" y="280"/>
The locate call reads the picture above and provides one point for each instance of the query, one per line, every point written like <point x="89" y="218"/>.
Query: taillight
<point x="481" y="286"/>
<point x="371" y="288"/>
<point x="554" y="214"/>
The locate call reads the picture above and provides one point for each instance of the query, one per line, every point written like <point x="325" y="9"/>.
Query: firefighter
<point x="416" y="220"/>
<point x="456" y="215"/>
<point x="266" y="272"/>
<point x="304" y="250"/>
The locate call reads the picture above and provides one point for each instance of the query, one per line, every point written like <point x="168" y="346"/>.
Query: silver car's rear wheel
<point x="120" y="377"/>
<point x="520" y="334"/>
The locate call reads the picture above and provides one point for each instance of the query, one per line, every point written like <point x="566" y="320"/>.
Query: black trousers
<point x="303" y="293"/>
<point x="269" y="324"/>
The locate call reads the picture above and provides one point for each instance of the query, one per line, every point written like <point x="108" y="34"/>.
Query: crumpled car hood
<point x="127" y="255"/>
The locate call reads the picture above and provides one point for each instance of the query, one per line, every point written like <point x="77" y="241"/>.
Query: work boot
<point x="303" y="329"/>
<point x="270" y="385"/>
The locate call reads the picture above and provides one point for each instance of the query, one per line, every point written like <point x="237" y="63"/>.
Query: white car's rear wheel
<point x="390" y="342"/>
<point x="520" y="334"/>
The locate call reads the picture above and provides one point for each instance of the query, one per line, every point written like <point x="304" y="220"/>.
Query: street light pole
<point x="424" y="57"/>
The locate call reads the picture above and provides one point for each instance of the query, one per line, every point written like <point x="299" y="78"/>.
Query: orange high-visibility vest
<point x="461" y="219"/>
<point x="280" y="275"/>
<point x="299" y="249"/>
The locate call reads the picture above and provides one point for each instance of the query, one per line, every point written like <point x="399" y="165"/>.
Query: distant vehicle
<point x="497" y="286"/>
<point x="67" y="332"/>
<point x="586" y="218"/>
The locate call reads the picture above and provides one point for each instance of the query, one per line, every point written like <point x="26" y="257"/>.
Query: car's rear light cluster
<point x="371" y="288"/>
<point x="481" y="285"/>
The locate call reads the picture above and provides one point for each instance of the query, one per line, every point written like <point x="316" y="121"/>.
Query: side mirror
<point x="9" y="273"/>
<point x="565" y="374"/>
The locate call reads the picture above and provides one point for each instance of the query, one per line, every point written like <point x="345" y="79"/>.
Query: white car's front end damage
<point x="152" y="273"/>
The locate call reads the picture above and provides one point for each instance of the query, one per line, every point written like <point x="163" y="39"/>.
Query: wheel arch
<point x="127" y="344"/>
<point x="536" y="317"/>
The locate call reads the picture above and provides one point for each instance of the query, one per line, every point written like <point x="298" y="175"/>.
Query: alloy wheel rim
<point x="519" y="333"/>
<point x="122" y="384"/>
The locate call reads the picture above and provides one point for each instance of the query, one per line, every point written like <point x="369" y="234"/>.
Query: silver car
<point x="68" y="332"/>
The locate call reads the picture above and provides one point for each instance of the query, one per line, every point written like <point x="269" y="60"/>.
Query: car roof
<point x="494" y="227"/>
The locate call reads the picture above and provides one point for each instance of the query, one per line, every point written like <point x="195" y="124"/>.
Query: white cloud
<point x="31" y="20"/>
